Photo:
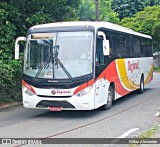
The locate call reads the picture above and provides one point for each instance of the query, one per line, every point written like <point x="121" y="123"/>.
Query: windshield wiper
<point x="58" y="61"/>
<point x="43" y="67"/>
<point x="63" y="67"/>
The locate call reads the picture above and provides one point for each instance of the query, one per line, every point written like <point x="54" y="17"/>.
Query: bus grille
<point x="45" y="96"/>
<point x="46" y="104"/>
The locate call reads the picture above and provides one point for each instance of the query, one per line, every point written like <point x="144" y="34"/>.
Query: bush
<point x="156" y="68"/>
<point x="10" y="81"/>
<point x="16" y="18"/>
<point x="10" y="70"/>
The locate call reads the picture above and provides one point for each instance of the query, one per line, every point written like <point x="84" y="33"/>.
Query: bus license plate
<point x="55" y="108"/>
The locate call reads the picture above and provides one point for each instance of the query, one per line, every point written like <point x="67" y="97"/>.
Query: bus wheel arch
<point x="110" y="97"/>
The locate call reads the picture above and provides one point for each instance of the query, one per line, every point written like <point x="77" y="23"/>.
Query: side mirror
<point x="106" y="46"/>
<point x="17" y="46"/>
<point x="17" y="51"/>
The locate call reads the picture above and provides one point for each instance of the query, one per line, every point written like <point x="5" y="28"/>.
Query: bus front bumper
<point x="74" y="102"/>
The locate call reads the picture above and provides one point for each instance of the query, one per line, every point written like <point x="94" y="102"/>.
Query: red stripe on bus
<point x="28" y="86"/>
<point x="83" y="86"/>
<point x="110" y="73"/>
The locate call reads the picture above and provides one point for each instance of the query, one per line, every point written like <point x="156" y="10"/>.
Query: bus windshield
<point x="60" y="55"/>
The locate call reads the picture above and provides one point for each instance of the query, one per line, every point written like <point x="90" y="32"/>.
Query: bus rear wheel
<point x="141" y="89"/>
<point x="110" y="98"/>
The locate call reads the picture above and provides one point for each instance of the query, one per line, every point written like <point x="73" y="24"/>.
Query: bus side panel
<point x="126" y="75"/>
<point x="131" y="70"/>
<point x="112" y="76"/>
<point x="101" y="92"/>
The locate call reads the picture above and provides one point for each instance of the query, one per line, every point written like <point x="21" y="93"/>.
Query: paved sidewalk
<point x="156" y="76"/>
<point x="155" y="135"/>
<point x="9" y="105"/>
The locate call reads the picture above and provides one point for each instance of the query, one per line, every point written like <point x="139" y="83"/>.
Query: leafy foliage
<point x="86" y="11"/>
<point x="147" y="22"/>
<point x="10" y="81"/>
<point x="7" y="30"/>
<point x="32" y="12"/>
<point x="89" y="8"/>
<point x="133" y="6"/>
<point x="17" y="17"/>
<point x="107" y="13"/>
<point x="143" y="21"/>
<point x="156" y="32"/>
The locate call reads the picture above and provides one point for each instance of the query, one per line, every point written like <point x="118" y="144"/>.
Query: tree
<point x="104" y="8"/>
<point x="9" y="17"/>
<point x="156" y="32"/>
<point x="17" y="17"/>
<point x="34" y="12"/>
<point x="86" y="10"/>
<point x="154" y="2"/>
<point x="147" y="22"/>
<point x="106" y="12"/>
<point x="133" y="6"/>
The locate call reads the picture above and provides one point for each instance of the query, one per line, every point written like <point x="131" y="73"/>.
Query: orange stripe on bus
<point x="150" y="76"/>
<point x="124" y="75"/>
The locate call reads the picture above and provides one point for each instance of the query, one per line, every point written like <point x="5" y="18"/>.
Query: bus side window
<point x="137" y="47"/>
<point x="148" y="48"/>
<point x="99" y="52"/>
<point x="120" y="45"/>
<point x="142" y="48"/>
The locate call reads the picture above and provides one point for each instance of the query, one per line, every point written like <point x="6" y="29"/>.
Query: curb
<point x="156" y="71"/>
<point x="10" y="105"/>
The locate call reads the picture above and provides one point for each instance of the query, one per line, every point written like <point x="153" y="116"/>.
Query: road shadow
<point x="131" y="96"/>
<point x="71" y="114"/>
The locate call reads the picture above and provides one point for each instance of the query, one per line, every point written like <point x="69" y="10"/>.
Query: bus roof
<point x="95" y="24"/>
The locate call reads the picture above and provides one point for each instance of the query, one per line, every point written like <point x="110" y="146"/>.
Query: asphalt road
<point x="128" y="117"/>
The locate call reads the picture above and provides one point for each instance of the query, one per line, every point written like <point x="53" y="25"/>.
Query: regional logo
<point x="53" y="92"/>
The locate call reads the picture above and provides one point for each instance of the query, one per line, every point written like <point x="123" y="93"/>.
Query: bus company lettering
<point x="61" y="92"/>
<point x="133" y="66"/>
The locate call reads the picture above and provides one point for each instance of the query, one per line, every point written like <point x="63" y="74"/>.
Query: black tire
<point x="110" y="98"/>
<point x="141" y="89"/>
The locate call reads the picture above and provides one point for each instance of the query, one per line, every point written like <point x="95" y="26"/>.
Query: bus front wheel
<point x="110" y="98"/>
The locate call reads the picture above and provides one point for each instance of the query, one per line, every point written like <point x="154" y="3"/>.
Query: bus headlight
<point x="27" y="91"/>
<point x="84" y="91"/>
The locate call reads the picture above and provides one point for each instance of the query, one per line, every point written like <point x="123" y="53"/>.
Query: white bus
<point x="83" y="65"/>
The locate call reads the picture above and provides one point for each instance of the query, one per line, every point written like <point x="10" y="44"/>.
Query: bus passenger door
<point x="101" y="82"/>
<point x="100" y="93"/>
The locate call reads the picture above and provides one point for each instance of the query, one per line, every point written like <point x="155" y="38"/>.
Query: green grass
<point x="133" y="145"/>
<point x="156" y="68"/>
<point x="146" y="134"/>
<point x="149" y="133"/>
